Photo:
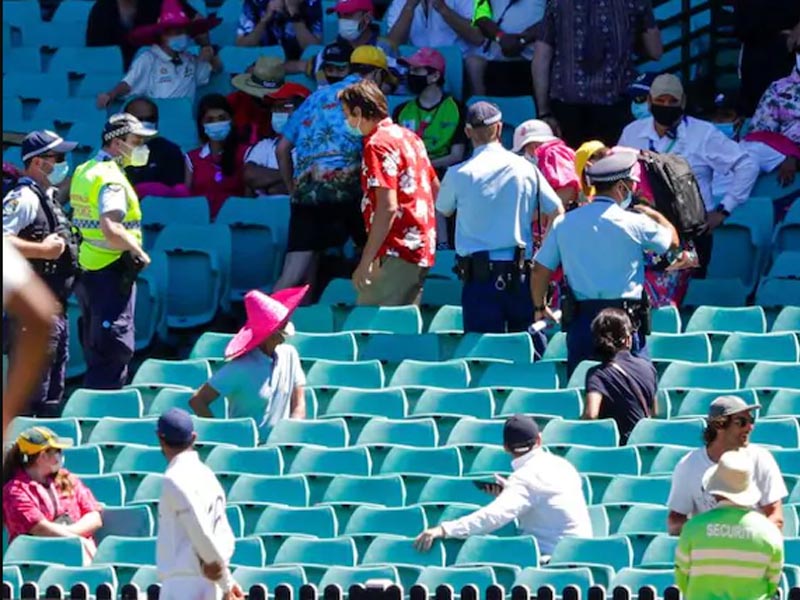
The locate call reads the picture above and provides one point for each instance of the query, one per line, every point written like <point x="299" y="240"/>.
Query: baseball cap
<point x="533" y="130"/>
<point x="726" y="101"/>
<point x="520" y="432"/>
<point x="43" y="141"/>
<point x="613" y="167"/>
<point x="38" y="439"/>
<point x="426" y="57"/>
<point x="667" y="84"/>
<point x="369" y="55"/>
<point x="348" y="7"/>
<point x="483" y="113"/>
<point x="724" y="406"/>
<point x="641" y="85"/>
<point x="175" y="427"/>
<point x="336" y="54"/>
<point x="122" y="124"/>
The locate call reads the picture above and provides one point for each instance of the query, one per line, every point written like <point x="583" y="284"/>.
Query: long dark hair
<point x="13" y="463"/>
<point x="231" y="143"/>
<point x="610" y="330"/>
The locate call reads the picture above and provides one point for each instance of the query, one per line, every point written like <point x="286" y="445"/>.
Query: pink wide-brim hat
<point x="265" y="315"/>
<point x="172" y="17"/>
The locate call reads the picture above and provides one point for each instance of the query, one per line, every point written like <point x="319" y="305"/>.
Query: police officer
<point x="495" y="195"/>
<point x="106" y="209"/>
<point x="34" y="223"/>
<point x="600" y="247"/>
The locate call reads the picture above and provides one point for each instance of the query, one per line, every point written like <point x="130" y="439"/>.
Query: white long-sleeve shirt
<point x="192" y="524"/>
<point x="707" y="151"/>
<point x="544" y="494"/>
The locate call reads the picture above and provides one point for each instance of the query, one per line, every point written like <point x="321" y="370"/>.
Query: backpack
<point x="675" y="192"/>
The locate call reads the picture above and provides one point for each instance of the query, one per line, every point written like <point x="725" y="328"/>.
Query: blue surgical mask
<point x="640" y="110"/>
<point x="59" y="173"/>
<point x="279" y="121"/>
<point x="349" y="29"/>
<point x="217" y="131"/>
<point x="531" y="158"/>
<point x="149" y="125"/>
<point x="727" y="129"/>
<point x="178" y="43"/>
<point x="626" y="203"/>
<point x="352" y="129"/>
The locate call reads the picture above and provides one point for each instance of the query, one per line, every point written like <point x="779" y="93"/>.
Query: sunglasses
<point x="744" y="421"/>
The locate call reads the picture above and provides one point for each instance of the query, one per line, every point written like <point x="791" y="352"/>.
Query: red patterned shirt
<point x="395" y="159"/>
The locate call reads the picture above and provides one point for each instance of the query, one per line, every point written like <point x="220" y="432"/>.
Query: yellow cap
<point x="38" y="439"/>
<point x="582" y="155"/>
<point x="369" y="55"/>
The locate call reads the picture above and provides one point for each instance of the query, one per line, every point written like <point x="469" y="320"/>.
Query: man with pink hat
<point x="167" y="69"/>
<point x="263" y="378"/>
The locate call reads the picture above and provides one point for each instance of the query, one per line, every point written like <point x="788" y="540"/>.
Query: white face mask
<point x="279" y="121"/>
<point x="349" y="29"/>
<point x="136" y="157"/>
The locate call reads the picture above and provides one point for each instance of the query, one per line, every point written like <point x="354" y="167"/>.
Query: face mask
<point x="353" y="129"/>
<point x="628" y="200"/>
<point x="417" y="83"/>
<point x="149" y="125"/>
<point x="727" y="129"/>
<point x="666" y="116"/>
<point x="531" y="158"/>
<point x="59" y="173"/>
<point x="331" y="79"/>
<point x="178" y="43"/>
<point x="349" y="29"/>
<point x="217" y="131"/>
<point x="136" y="157"/>
<point x="279" y="121"/>
<point x="640" y="110"/>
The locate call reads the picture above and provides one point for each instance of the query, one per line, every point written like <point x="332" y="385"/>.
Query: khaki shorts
<point x="396" y="283"/>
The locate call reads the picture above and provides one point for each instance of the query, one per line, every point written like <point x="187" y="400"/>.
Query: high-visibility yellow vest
<point x="87" y="182"/>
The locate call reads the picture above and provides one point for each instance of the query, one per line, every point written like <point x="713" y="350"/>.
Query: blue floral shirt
<point x="279" y="31"/>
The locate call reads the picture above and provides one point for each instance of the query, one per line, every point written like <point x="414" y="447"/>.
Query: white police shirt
<point x="687" y="496"/>
<point x="544" y="494"/>
<point x="192" y="524"/>
<point x="20" y="206"/>
<point x="154" y="74"/>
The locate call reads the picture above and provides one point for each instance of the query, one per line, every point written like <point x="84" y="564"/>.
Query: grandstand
<point x="405" y="411"/>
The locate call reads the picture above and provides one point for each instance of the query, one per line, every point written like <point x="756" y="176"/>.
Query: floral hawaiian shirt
<point x="779" y="108"/>
<point x="395" y="158"/>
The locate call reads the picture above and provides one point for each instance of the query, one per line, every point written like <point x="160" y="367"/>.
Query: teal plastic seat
<point x="12" y="575"/>
<point x="636" y="578"/>
<point x="35" y="86"/>
<point x="788" y="319"/>
<point x="377" y="520"/>
<point x="665" y="319"/>
<point x="66" y="577"/>
<point x="249" y="552"/>
<point x="689" y="347"/>
<point x="539" y="375"/>
<point x="487" y="461"/>
<point x="138" y="458"/>
<point x="76" y="365"/>
<point x="211" y="345"/>
<point x="385" y="490"/>
<point x="105" y="59"/>
<point x="384" y="319"/>
<point x="448" y="319"/>
<point x="326" y="346"/>
<point x="610" y="461"/>
<point x="748" y="319"/>
<point x="438" y="402"/>
<point x="189" y="373"/>
<point x="443" y="267"/>
<point x="440" y="292"/>
<point x="110" y="430"/>
<point x="787" y="234"/>
<point x="683" y="432"/>
<point x="667" y="459"/>
<point x="322" y="552"/>
<point x="126" y="550"/>
<point x="20" y="60"/>
<point x="320" y="460"/>
<point x="291" y="490"/>
<point x="65" y="427"/>
<point x="447" y="490"/>
<point x="422" y="461"/>
<point x="775" y="292"/>
<point x="395" y="347"/>
<point x="237" y="59"/>
<point x="534" y="578"/>
<point x="516" y="347"/>
<point x="578" y="378"/>
<point x="754" y="347"/>
<point x="405" y="432"/>
<point x="84" y="460"/>
<point x="317" y="318"/>
<point x="60" y="112"/>
<point x="556" y="347"/>
<point x="784" y="403"/>
<point x="236" y="432"/>
<point x="366" y="374"/>
<point x="433" y="577"/>
<point x="697" y="401"/>
<point x="644" y="518"/>
<point x="255" y="461"/>
<point x="453" y="374"/>
<point x="601" y="433"/>
<point x="36" y="549"/>
<point x="660" y="552"/>
<point x="129" y="521"/>
<point x="777" y="431"/>
<point x="389" y="402"/>
<point x="339" y="292"/>
<point x="178" y="397"/>
<point x="624" y="489"/>
<point x="400" y="551"/>
<point x="521" y="551"/>
<point x="158" y="212"/>
<point x="144" y="577"/>
<point x="470" y="431"/>
<point x="345" y="577"/>
<point x="561" y="403"/>
<point x="683" y="375"/>
<point x="318" y="521"/>
<point x="774" y="375"/>
<point x="293" y="576"/>
<point x="614" y="551"/>
<point x="107" y="489"/>
<point x="327" y="432"/>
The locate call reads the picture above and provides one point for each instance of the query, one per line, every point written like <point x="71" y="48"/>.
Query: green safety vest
<point x="436" y="127"/>
<point x="88" y="180"/>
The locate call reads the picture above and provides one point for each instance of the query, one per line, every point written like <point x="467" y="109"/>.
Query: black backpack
<point x="675" y="192"/>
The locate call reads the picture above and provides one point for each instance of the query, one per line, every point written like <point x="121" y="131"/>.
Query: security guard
<point x="495" y="194"/>
<point x="600" y="246"/>
<point x="34" y="223"/>
<point x="106" y="209"/>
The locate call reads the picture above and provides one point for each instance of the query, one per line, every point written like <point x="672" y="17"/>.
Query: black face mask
<point x="331" y="79"/>
<point x="666" y="116"/>
<point x="417" y="83"/>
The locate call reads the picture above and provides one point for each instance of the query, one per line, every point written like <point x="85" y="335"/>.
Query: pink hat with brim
<point x="172" y="17"/>
<point x="265" y="315"/>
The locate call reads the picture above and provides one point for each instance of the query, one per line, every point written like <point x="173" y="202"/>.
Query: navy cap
<point x="641" y="85"/>
<point x="482" y="114"/>
<point x="44" y="141"/>
<point x="520" y="432"/>
<point x="337" y="54"/>
<point x="726" y="101"/>
<point x="121" y="124"/>
<point x="175" y="427"/>
<point x="613" y="167"/>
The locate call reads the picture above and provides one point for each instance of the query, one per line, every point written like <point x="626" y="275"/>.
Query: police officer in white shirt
<point x="730" y="423"/>
<point x="544" y="494"/>
<point x="195" y="540"/>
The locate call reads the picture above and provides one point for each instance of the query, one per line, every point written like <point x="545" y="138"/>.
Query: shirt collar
<point x="490" y="147"/>
<point x="205" y="151"/>
<point x="163" y="56"/>
<point x="523" y="460"/>
<point x="652" y="134"/>
<point x="184" y="457"/>
<point x="103" y="156"/>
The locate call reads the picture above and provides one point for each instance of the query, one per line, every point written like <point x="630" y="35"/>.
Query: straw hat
<point x="732" y="479"/>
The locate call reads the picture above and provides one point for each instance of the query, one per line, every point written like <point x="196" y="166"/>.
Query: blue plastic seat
<point x="613" y="551"/>
<point x="58" y="112"/>
<point x="784" y="403"/>
<point x="211" y="345"/>
<point x="255" y="461"/>
<point x="366" y="374"/>
<point x="516" y="347"/>
<point x="488" y="460"/>
<point x="317" y="318"/>
<point x="447" y="490"/>
<point x="66" y="577"/>
<point x="777" y="431"/>
<point x="290" y="490"/>
<point x="521" y="551"/>
<point x="754" y="347"/>
<point x="689" y="347"/>
<point x="384" y="490"/>
<point x="539" y="375"/>
<point x="126" y="551"/>
<point x="601" y="433"/>
<point x="327" y="346"/>
<point x="453" y="374"/>
<point x="151" y="293"/>
<point x="561" y="403"/>
<point x="84" y="460"/>
<point x="322" y="552"/>
<point x="249" y="552"/>
<point x="130" y="521"/>
<point x="774" y="375"/>
<point x="319" y="521"/>
<point x="443" y="267"/>
<point x="105" y="59"/>
<point x="405" y="432"/>
<point x="469" y="431"/>
<point x="140" y="459"/>
<point x="441" y="292"/>
<point x="178" y="397"/>
<point x="348" y="403"/>
<point x="719" y="375"/>
<point x="34" y="86"/>
<point x="271" y="577"/>
<point x="400" y="551"/>
<point x="20" y="60"/>
<point x="611" y="461"/>
<point x="422" y="461"/>
<point x="624" y="489"/>
<point x="788" y="319"/>
<point x="110" y="430"/>
<point x="236" y="432"/>
<point x="65" y="427"/>
<point x="748" y="319"/>
<point x="395" y="348"/>
<point x="697" y="401"/>
<point x="238" y="58"/>
<point x="190" y="373"/>
<point x="107" y="489"/>
<point x="384" y="319"/>
<point x="339" y="292"/>
<point x="158" y="212"/>
<point x="320" y="460"/>
<point x="448" y="319"/>
<point x="665" y="319"/>
<point x="686" y="432"/>
<point x="457" y="578"/>
<point x="787" y="234"/>
<point x="376" y="520"/>
<point x="328" y="432"/>
<point x="438" y="402"/>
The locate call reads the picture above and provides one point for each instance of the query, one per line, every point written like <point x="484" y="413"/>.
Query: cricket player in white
<point x="195" y="540"/>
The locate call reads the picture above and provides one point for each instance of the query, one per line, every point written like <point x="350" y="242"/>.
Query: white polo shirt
<point x="154" y="74"/>
<point x="428" y="27"/>
<point x="544" y="494"/>
<point x="16" y="270"/>
<point x="707" y="151"/>
<point x="768" y="159"/>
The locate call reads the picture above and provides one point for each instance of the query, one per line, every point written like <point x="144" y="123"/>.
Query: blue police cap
<point x="519" y="432"/>
<point x="175" y="427"/>
<point x="41" y="142"/>
<point x="483" y="113"/>
<point x="613" y="167"/>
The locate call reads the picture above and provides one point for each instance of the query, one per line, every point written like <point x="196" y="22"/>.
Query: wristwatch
<point x="721" y="209"/>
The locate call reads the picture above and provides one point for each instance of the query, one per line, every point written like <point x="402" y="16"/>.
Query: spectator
<point x="40" y="497"/>
<point x="165" y="173"/>
<point x="167" y="69"/>
<point x="323" y="179"/>
<point x="544" y="494"/>
<point x="586" y="154"/>
<point x="399" y="186"/>
<point x="293" y="24"/>
<point x="216" y="168"/>
<point x="583" y="64"/>
<point x="731" y="551"/>
<point x="263" y="379"/>
<point x="624" y="386"/>
<point x="334" y="63"/>
<point x="111" y="21"/>
<point x="638" y="91"/>
<point x="534" y="139"/>
<point x="729" y="425"/>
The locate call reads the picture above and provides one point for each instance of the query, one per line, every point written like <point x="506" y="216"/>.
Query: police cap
<point x="615" y="166"/>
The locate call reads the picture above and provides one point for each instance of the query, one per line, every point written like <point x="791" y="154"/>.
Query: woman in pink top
<point x="217" y="167"/>
<point x="42" y="498"/>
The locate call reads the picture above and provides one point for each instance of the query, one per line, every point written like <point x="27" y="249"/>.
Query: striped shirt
<point x="729" y="553"/>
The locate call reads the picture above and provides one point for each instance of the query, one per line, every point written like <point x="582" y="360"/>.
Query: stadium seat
<point x="248" y="552"/>
<point x="784" y="403"/>
<point x="516" y="347"/>
<point x="644" y="518"/>
<point x="600" y="433"/>
<point x="158" y="212"/>
<point x="685" y="432"/>
<point x="623" y="489"/>
<point x="400" y="551"/>
<point x="635" y="579"/>
<point x="777" y="431"/>
<point x="255" y="461"/>
<point x="774" y="293"/>
<point x="237" y="59"/>
<point x="665" y="319"/>
<point x="144" y="577"/>
<point x="106" y="59"/>
<point x="539" y="375"/>
<point x="322" y="552"/>
<point x="667" y="459"/>
<point x="291" y="490"/>
<point x="339" y="292"/>
<point x="366" y="374"/>
<point x="376" y="520"/>
<point x="477" y="432"/>
<point x="615" y="551"/>
<point x="236" y="432"/>
<point x="20" y="60"/>
<point x="447" y="490"/>
<point x="130" y="521"/>
<point x="317" y="318"/>
<point x="320" y="460"/>
<point x="787" y="234"/>
<point x="21" y="14"/>
<point x="433" y="577"/>
<point x="719" y="375"/>
<point x="515" y="109"/>
<point x="788" y="319"/>
<point x="440" y="292"/>
<point x="452" y="374"/>
<point x="556" y="347"/>
<point x="189" y="373"/>
<point x="388" y="402"/>
<point x="660" y="553"/>
<point x="345" y="577"/>
<point x="689" y="347"/>
<point x="319" y="521"/>
<point x="384" y="490"/>
<point x="697" y="401"/>
<point x="487" y="461"/>
<point x="328" y="432"/>
<point x="748" y="319"/>
<point x="443" y="267"/>
<point x="64" y="427"/>
<point x="271" y="577"/>
<point x="34" y="86"/>
<point x="394" y="348"/>
<point x="12" y="575"/>
<point x="110" y="430"/>
<point x="438" y="402"/>
<point x="66" y="577"/>
<point x="35" y="549"/>
<point x="141" y="459"/>
<point x="534" y="578"/>
<point x="740" y="244"/>
<point x="561" y="403"/>
<point x="610" y="461"/>
<point x="578" y="378"/>
<point x="747" y="347"/>
<point x="774" y="375"/>
<point x="326" y="346"/>
<point x="403" y="432"/>
<point x="384" y="319"/>
<point x="107" y="489"/>
<point x="422" y="461"/>
<point x="84" y="460"/>
<point x="174" y="397"/>
<point x="148" y="491"/>
<point x="521" y="551"/>
<point x="447" y="319"/>
<point x="118" y="550"/>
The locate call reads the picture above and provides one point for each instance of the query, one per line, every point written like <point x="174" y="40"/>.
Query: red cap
<point x="348" y="7"/>
<point x="426" y="57"/>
